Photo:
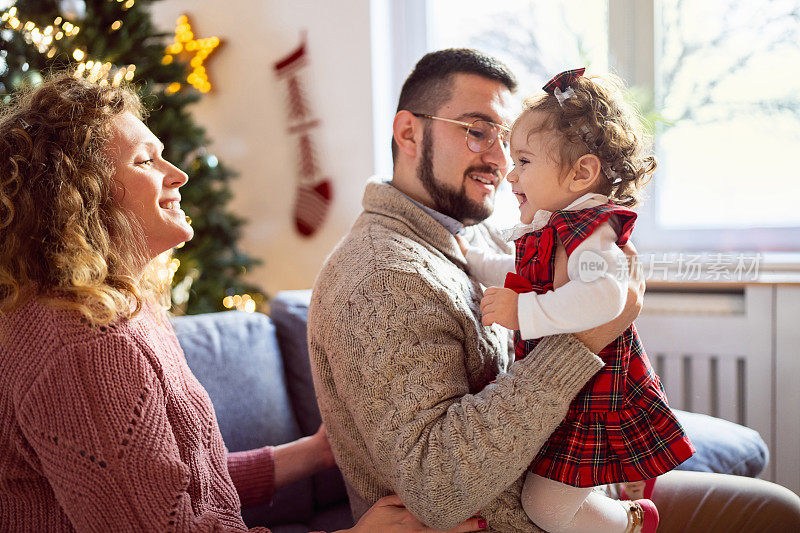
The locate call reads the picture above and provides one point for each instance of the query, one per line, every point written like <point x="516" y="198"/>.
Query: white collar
<point x="542" y="216"/>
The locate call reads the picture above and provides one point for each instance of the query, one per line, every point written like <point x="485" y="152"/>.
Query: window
<point x="717" y="77"/>
<point x="729" y="97"/>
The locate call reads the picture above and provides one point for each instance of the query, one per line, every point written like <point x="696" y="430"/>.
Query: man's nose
<point x="497" y="156"/>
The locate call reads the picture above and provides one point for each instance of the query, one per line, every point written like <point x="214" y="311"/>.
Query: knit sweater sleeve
<point x="446" y="452"/>
<point x="253" y="475"/>
<point x="96" y="418"/>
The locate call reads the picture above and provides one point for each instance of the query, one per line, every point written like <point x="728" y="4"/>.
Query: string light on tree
<point x="126" y="4"/>
<point x="185" y="42"/>
<point x="240" y="302"/>
<point x="42" y="39"/>
<point x="99" y="72"/>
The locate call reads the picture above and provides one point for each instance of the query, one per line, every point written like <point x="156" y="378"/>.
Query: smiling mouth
<point x="483" y="180"/>
<point x="521" y="197"/>
<point x="174" y="205"/>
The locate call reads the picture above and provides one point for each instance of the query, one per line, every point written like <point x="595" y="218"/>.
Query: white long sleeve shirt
<point x="597" y="271"/>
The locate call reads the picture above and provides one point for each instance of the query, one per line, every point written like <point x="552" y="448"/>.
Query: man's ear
<point x="407" y="133"/>
<point x="587" y="170"/>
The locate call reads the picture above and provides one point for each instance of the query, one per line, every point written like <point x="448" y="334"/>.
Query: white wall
<point x="246" y="119"/>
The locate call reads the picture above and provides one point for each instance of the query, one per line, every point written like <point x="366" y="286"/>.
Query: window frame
<point x="399" y="37"/>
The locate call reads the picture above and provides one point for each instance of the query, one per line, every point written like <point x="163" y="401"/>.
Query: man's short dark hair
<point x="429" y="86"/>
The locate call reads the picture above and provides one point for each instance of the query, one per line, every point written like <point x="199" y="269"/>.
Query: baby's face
<point x="536" y="178"/>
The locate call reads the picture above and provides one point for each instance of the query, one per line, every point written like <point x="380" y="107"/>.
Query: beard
<point x="452" y="202"/>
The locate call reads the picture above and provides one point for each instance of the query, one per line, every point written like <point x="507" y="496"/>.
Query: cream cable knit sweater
<point x="404" y="373"/>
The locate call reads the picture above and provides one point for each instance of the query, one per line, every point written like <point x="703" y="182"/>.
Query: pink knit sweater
<point x="107" y="429"/>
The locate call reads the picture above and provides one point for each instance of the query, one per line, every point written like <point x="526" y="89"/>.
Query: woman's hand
<point x="323" y="447"/>
<point x="389" y="515"/>
<point x="302" y="458"/>
<point x="598" y="338"/>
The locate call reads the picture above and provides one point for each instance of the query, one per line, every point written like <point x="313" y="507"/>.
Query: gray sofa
<point x="256" y="371"/>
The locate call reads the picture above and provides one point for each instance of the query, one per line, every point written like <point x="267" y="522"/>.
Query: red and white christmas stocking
<point x="314" y="192"/>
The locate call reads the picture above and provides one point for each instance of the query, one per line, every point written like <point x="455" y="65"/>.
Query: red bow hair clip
<point x="561" y="81"/>
<point x="559" y="86"/>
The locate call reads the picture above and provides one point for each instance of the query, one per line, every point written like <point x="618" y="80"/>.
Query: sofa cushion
<point x="289" y="312"/>
<point x="235" y="357"/>
<point x="722" y="446"/>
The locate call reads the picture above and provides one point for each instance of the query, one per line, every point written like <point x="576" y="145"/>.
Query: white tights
<point x="559" y="508"/>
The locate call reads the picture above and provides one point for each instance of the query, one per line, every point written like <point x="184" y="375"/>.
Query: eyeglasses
<point x="481" y="134"/>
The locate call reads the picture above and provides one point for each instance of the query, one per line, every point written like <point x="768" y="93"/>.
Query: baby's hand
<point x="462" y="243"/>
<point x="499" y="305"/>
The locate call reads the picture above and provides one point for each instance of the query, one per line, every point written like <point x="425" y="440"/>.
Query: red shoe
<point x="647" y="519"/>
<point x="647" y="493"/>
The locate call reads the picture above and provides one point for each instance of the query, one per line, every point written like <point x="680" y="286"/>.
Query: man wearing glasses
<point x="419" y="398"/>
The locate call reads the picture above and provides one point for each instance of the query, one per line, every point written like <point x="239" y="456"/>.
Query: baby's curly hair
<point x="64" y="239"/>
<point x="615" y="134"/>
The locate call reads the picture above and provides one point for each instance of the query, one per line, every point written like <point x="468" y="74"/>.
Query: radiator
<point x="709" y="384"/>
<point x="714" y="353"/>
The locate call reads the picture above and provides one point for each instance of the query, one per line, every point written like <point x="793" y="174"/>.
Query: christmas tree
<point x="111" y="41"/>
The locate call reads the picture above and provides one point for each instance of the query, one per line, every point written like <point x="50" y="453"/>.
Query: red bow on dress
<point x="563" y="80"/>
<point x="517" y="283"/>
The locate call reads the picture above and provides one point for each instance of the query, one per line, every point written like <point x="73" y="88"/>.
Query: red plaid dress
<point x="619" y="427"/>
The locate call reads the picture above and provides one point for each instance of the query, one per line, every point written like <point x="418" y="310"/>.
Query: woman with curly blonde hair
<point x="61" y="228"/>
<point x="103" y="427"/>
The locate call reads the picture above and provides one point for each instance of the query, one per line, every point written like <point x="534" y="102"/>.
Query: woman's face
<point x="147" y="185"/>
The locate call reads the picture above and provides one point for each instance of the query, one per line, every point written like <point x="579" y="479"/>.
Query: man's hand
<point x="499" y="305"/>
<point x="598" y="338"/>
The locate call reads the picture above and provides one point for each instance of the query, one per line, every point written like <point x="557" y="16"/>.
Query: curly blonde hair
<point x="613" y="132"/>
<point x="64" y="238"/>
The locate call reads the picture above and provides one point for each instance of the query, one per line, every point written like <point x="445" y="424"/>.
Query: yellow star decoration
<point x="202" y="48"/>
